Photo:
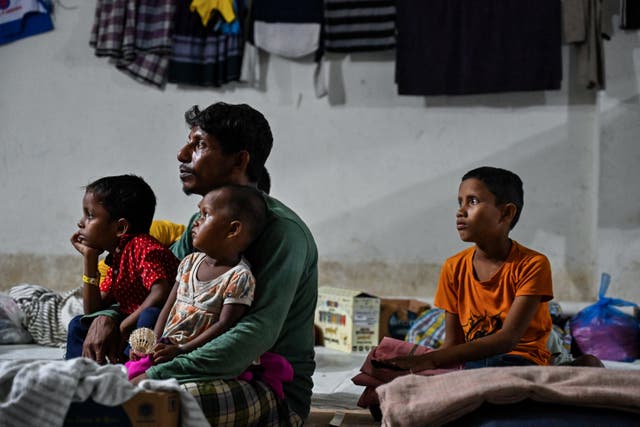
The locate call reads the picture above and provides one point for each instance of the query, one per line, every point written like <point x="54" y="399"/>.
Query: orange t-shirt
<point x="483" y="306"/>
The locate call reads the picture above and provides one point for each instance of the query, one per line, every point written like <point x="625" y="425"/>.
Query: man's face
<point x="203" y="164"/>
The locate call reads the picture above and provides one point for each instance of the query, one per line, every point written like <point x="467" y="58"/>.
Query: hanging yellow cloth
<point x="206" y="7"/>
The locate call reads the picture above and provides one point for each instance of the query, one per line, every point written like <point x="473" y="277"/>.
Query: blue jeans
<point x="77" y="331"/>
<point x="499" y="360"/>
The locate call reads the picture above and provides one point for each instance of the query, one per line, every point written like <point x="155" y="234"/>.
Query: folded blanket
<point x="39" y="393"/>
<point x="418" y="400"/>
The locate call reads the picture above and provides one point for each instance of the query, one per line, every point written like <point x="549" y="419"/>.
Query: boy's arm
<point x="229" y="316"/>
<point x="156" y="298"/>
<point x="517" y="321"/>
<point x="453" y="333"/>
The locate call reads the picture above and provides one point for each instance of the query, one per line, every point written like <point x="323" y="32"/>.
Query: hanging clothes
<point x="630" y="14"/>
<point x="206" y="8"/>
<point x="582" y="29"/>
<point x="24" y="18"/>
<point x="289" y="28"/>
<point x="453" y="47"/>
<point x="137" y="35"/>
<point x="208" y="55"/>
<point x="359" y="26"/>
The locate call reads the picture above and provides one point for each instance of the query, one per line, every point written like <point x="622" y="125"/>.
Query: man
<point x="229" y="144"/>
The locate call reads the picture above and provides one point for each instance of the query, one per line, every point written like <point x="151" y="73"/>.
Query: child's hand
<point x="78" y="242"/>
<point x="165" y="352"/>
<point x="134" y="355"/>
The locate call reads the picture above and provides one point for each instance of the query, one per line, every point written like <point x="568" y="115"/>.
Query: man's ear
<point x="509" y="211"/>
<point x="123" y="226"/>
<point x="242" y="160"/>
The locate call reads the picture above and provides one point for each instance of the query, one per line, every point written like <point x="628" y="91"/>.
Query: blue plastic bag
<point x="606" y="332"/>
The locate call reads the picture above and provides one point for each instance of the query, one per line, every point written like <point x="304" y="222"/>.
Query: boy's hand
<point x="410" y="363"/>
<point x="78" y="242"/>
<point x="165" y="352"/>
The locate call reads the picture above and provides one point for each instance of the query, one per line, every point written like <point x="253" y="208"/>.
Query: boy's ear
<point x="509" y="212"/>
<point x="123" y="226"/>
<point x="235" y="228"/>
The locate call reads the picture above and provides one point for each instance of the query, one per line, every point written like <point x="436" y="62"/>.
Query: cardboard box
<point x="397" y="316"/>
<point x="348" y="319"/>
<point x="147" y="408"/>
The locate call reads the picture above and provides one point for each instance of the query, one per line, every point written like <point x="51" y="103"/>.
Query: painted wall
<point x="374" y="175"/>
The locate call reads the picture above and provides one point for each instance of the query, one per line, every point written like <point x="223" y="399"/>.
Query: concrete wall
<point x="375" y="175"/>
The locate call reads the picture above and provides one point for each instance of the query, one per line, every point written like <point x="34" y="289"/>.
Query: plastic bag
<point x="606" y="332"/>
<point x="11" y="329"/>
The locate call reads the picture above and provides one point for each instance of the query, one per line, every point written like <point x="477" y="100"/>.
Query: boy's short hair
<point x="505" y="185"/>
<point x="237" y="127"/>
<point x="247" y="204"/>
<point x="126" y="196"/>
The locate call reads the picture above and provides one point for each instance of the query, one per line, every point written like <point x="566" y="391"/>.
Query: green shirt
<point x="284" y="260"/>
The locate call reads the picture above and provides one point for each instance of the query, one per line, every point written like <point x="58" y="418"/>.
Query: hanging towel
<point x="582" y="29"/>
<point x="452" y="47"/>
<point x="359" y="26"/>
<point x="24" y="18"/>
<point x="289" y="28"/>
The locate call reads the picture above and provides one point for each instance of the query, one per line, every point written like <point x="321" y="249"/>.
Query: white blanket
<point x="39" y="393"/>
<point x="418" y="400"/>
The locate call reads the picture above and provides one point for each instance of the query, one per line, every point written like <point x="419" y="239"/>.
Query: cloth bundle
<point x="372" y="377"/>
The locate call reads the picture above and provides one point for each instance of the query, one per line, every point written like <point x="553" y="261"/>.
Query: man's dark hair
<point x="247" y="204"/>
<point x="236" y="127"/>
<point x="505" y="185"/>
<point x="126" y="196"/>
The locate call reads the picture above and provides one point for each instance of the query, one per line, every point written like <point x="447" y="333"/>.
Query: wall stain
<point x="387" y="279"/>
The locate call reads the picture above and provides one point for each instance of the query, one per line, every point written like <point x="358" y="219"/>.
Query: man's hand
<point x="165" y="352"/>
<point x="103" y="341"/>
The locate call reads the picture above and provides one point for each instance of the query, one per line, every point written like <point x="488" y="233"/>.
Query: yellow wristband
<point x="90" y="280"/>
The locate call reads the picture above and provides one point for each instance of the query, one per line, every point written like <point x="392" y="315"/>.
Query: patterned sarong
<point x="241" y="403"/>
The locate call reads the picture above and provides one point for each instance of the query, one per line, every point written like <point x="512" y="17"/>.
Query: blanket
<point x="46" y="312"/>
<point x="39" y="393"/>
<point x="417" y="400"/>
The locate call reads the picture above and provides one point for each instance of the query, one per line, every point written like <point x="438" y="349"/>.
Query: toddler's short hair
<point x="505" y="185"/>
<point x="126" y="196"/>
<point x="247" y="204"/>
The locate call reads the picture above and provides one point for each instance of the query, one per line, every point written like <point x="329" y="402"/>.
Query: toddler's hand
<point x="134" y="355"/>
<point x="165" y="352"/>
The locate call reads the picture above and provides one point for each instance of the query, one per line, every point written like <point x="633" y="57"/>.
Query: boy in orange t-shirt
<point x="495" y="293"/>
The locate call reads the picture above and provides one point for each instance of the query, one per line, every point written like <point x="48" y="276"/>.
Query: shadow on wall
<point x="382" y="236"/>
